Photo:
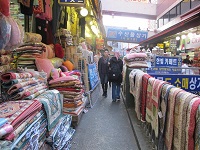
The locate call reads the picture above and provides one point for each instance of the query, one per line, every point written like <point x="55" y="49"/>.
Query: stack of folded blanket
<point x="60" y="136"/>
<point x="136" y="60"/>
<point x="25" y="85"/>
<point x="27" y="53"/>
<point x="71" y="88"/>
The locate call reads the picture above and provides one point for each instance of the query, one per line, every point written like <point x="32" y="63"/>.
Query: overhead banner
<point x="93" y="75"/>
<point x="161" y="61"/>
<point x="72" y="2"/>
<point x="190" y="83"/>
<point x="164" y="70"/>
<point x="128" y="36"/>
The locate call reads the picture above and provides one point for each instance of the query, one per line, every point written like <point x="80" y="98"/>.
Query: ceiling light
<point x="178" y="38"/>
<point x="83" y="12"/>
<point x="183" y="36"/>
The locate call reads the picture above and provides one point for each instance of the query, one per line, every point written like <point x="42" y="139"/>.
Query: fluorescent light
<point x="83" y="12"/>
<point x="178" y="38"/>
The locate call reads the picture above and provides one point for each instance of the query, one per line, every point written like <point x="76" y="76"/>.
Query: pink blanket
<point x="10" y="76"/>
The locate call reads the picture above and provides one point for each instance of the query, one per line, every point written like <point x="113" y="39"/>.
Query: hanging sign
<point x="164" y="70"/>
<point x="93" y="75"/>
<point x="190" y="83"/>
<point x="161" y="61"/>
<point x="72" y="2"/>
<point x="128" y="36"/>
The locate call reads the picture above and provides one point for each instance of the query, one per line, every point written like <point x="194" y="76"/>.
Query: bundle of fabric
<point x="182" y="102"/>
<point x="163" y="105"/>
<point x="145" y="79"/>
<point x="52" y="104"/>
<point x="135" y="78"/>
<point x="32" y="135"/>
<point x="169" y="133"/>
<point x="17" y="114"/>
<point x="64" y="37"/>
<point x="136" y="60"/>
<point x="5" y="60"/>
<point x="60" y="136"/>
<point x="25" y="85"/>
<point x="71" y="88"/>
<point x="27" y="54"/>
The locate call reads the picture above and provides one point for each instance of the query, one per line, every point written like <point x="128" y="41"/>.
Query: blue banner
<point x="190" y="83"/>
<point x="132" y="36"/>
<point x="161" y="61"/>
<point x="93" y="75"/>
<point x="164" y="70"/>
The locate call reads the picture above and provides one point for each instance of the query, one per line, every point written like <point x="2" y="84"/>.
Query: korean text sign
<point x="161" y="61"/>
<point x="71" y="2"/>
<point x="132" y="36"/>
<point x="190" y="83"/>
<point x="93" y="75"/>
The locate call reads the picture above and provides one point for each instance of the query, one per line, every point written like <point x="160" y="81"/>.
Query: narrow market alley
<point x="107" y="126"/>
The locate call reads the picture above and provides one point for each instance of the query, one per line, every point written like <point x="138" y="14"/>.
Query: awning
<point x="188" y="20"/>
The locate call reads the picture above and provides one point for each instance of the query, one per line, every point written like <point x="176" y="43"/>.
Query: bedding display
<point x="171" y="114"/>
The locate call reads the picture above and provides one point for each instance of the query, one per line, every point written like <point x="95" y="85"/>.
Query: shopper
<point x="116" y="66"/>
<point x="187" y="61"/>
<point x="103" y="71"/>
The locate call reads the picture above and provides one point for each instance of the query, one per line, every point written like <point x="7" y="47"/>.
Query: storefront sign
<point x="161" y="61"/>
<point x="164" y="70"/>
<point x="193" y="42"/>
<point x="72" y="2"/>
<point x="93" y="75"/>
<point x="190" y="83"/>
<point x="129" y="36"/>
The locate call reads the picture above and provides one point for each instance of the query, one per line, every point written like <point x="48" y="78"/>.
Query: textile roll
<point x="145" y="79"/>
<point x="32" y="96"/>
<point x="6" y="129"/>
<point x="170" y="117"/>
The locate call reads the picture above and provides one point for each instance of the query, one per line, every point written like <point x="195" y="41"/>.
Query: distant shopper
<point x="187" y="60"/>
<point x="103" y="71"/>
<point x="116" y="66"/>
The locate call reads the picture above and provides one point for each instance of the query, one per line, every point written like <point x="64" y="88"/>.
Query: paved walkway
<point x="106" y="126"/>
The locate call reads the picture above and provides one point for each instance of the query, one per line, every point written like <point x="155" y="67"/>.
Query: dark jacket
<point x="116" y="68"/>
<point x="103" y="69"/>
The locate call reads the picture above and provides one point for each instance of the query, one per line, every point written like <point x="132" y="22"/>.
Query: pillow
<point x="57" y="62"/>
<point x="59" y="52"/>
<point x="55" y="73"/>
<point x="63" y="68"/>
<point x="69" y="65"/>
<point x="44" y="65"/>
<point x="62" y="79"/>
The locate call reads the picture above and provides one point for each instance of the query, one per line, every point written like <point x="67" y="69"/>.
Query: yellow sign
<point x="160" y="45"/>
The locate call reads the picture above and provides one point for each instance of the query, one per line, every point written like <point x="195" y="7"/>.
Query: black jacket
<point x="116" y="68"/>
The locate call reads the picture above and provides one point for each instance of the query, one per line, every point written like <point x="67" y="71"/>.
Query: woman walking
<point x="116" y="66"/>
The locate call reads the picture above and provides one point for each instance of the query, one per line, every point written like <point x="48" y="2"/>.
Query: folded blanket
<point x="135" y="55"/>
<point x="145" y="79"/>
<point x="32" y="96"/>
<point x="5" y="129"/>
<point x="67" y="83"/>
<point x="163" y="110"/>
<point x="19" y="111"/>
<point x="10" y="83"/>
<point x="72" y="105"/>
<point x="68" y="89"/>
<point x="52" y="103"/>
<point x="170" y="117"/>
<point x="135" y="59"/>
<point x="62" y="79"/>
<point x="71" y="93"/>
<point x="22" y="85"/>
<point x="137" y="64"/>
<point x="191" y="127"/>
<point x="10" y="76"/>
